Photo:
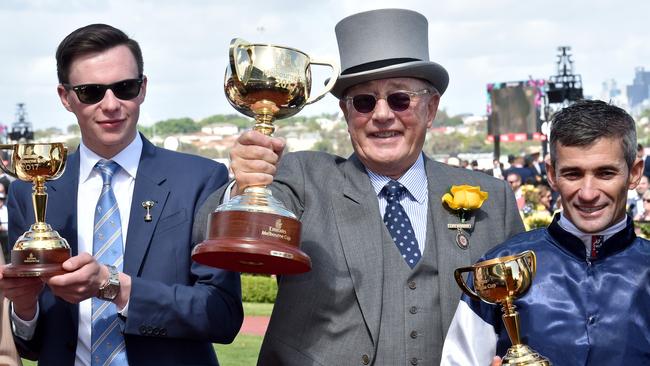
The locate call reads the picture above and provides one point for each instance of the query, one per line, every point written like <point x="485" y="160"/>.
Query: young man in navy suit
<point x="162" y="308"/>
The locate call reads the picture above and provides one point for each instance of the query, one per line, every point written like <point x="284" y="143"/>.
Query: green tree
<point x="324" y="145"/>
<point x="238" y="120"/>
<point x="176" y="126"/>
<point x="73" y="129"/>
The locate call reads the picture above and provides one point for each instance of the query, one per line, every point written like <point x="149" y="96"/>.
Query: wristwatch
<point x="109" y="290"/>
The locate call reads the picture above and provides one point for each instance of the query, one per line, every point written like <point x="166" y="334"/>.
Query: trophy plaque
<point x="500" y="281"/>
<point x="254" y="232"/>
<point x="40" y="251"/>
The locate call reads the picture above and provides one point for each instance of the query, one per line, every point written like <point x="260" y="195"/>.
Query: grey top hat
<point x="385" y="43"/>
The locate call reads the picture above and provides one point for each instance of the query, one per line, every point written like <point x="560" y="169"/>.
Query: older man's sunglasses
<point x="398" y="101"/>
<point x="94" y="93"/>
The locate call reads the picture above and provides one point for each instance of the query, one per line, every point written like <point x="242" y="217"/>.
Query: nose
<point x="382" y="111"/>
<point x="110" y="101"/>
<point x="589" y="191"/>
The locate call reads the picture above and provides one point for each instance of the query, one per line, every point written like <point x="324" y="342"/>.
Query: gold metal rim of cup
<point x="499" y="260"/>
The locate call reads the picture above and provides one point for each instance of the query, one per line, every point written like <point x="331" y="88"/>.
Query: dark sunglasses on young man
<point x="94" y="93"/>
<point x="398" y="101"/>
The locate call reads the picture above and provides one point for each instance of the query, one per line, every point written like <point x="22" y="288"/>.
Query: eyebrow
<point x="598" y="168"/>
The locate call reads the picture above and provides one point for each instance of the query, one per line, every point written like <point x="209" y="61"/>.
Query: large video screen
<point x="513" y="107"/>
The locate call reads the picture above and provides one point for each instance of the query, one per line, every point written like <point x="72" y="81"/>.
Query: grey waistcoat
<point x="410" y="329"/>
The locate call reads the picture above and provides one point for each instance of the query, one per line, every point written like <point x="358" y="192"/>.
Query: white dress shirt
<point x="415" y="203"/>
<point x="567" y="225"/>
<point x="90" y="186"/>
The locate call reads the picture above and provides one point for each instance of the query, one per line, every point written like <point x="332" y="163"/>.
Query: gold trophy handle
<point x="238" y="74"/>
<point x="461" y="282"/>
<point x="531" y="258"/>
<point x="5" y="168"/>
<point x="336" y="70"/>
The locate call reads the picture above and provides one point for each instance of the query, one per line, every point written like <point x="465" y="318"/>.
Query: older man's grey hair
<point x="583" y="123"/>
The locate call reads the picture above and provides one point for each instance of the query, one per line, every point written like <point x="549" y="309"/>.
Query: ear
<point x="63" y="95"/>
<point x="636" y="172"/>
<point x="346" y="112"/>
<point x="550" y="176"/>
<point x="143" y="91"/>
<point x="432" y="109"/>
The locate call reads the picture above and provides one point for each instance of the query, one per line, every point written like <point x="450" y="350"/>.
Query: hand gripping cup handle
<point x="528" y="255"/>
<point x="336" y="70"/>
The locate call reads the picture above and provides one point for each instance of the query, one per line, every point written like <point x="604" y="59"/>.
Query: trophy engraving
<point x="40" y="250"/>
<point x="500" y="281"/>
<point x="254" y="232"/>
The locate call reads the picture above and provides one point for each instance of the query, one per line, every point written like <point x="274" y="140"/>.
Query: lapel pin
<point x="147" y="205"/>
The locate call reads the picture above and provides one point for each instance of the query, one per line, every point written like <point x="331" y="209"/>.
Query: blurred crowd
<point x="526" y="175"/>
<point x="536" y="200"/>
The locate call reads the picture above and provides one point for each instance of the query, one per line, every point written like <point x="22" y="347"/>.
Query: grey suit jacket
<point x="331" y="314"/>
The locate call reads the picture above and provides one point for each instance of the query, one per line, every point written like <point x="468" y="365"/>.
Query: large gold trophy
<point x="254" y="232"/>
<point x="40" y="251"/>
<point x="500" y="281"/>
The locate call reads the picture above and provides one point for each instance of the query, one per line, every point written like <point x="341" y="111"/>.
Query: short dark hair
<point x="90" y="39"/>
<point x="586" y="121"/>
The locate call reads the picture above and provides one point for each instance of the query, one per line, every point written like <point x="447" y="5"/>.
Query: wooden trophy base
<point x="253" y="242"/>
<point x="36" y="262"/>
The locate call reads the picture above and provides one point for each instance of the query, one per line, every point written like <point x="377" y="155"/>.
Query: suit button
<point x="412" y="285"/>
<point x="365" y="359"/>
<point x="163" y="332"/>
<point x="414" y="334"/>
<point x="149" y="330"/>
<point x="143" y="330"/>
<point x="413" y="310"/>
<point x="156" y="331"/>
<point x="414" y="361"/>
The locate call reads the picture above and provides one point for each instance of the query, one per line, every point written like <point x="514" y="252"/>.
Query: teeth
<point x="386" y="134"/>
<point x="590" y="209"/>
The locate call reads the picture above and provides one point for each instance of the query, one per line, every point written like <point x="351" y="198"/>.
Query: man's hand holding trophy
<point x="254" y="232"/>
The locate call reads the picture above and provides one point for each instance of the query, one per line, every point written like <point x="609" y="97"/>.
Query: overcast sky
<point x="185" y="45"/>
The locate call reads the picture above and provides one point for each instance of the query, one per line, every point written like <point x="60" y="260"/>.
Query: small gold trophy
<point x="500" y="281"/>
<point x="254" y="232"/>
<point x="40" y="251"/>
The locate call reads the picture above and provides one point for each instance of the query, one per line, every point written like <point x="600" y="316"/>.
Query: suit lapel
<point x="62" y="202"/>
<point x="357" y="217"/>
<point x="450" y="255"/>
<point x="62" y="213"/>
<point x="148" y="187"/>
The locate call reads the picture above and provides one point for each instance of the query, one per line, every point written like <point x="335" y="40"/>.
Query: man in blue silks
<point x="588" y="303"/>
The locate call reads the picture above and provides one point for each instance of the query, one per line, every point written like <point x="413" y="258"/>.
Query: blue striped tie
<point x="107" y="340"/>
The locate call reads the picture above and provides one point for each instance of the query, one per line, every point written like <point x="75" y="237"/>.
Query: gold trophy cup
<point x="500" y="281"/>
<point x="254" y="232"/>
<point x="40" y="251"/>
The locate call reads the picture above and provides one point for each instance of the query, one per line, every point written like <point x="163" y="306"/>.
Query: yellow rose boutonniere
<point x="463" y="199"/>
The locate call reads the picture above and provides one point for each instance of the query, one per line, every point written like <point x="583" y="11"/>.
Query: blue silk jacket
<point x="580" y="310"/>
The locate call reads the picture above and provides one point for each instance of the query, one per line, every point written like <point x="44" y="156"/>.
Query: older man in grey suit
<point x="373" y="296"/>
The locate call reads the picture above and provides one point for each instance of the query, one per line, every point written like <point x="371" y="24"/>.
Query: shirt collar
<point x="415" y="180"/>
<point x="128" y="158"/>
<point x="567" y="225"/>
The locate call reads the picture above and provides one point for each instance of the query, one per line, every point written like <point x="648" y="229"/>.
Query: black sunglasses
<point x="398" y="101"/>
<point x="94" y="93"/>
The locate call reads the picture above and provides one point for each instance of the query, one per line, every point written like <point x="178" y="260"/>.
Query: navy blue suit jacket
<point x="177" y="307"/>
